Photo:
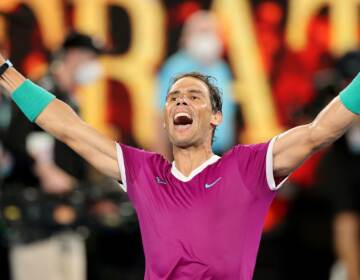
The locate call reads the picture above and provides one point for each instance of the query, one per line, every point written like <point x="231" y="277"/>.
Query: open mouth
<point x="182" y="120"/>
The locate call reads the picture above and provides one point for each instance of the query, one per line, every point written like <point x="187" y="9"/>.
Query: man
<point x="201" y="217"/>
<point x="40" y="162"/>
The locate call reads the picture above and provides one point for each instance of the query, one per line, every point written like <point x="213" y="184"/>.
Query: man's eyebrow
<point x="173" y="92"/>
<point x="194" y="90"/>
<point x="191" y="90"/>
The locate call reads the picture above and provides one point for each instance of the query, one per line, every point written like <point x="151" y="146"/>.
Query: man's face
<point x="77" y="57"/>
<point x="189" y="119"/>
<point x="77" y="67"/>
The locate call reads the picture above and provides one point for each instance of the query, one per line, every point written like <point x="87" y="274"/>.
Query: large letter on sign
<point x="344" y="23"/>
<point x="49" y="16"/>
<point x="137" y="68"/>
<point x="251" y="85"/>
<point x="91" y="18"/>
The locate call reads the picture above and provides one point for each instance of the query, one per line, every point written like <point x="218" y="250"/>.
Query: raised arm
<point x="293" y="147"/>
<point x="58" y="119"/>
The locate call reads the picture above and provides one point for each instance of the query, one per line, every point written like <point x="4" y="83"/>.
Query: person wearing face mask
<point x="43" y="162"/>
<point x="201" y="50"/>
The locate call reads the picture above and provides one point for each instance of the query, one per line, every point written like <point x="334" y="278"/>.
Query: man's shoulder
<point x="243" y="148"/>
<point x="252" y="147"/>
<point x="144" y="155"/>
<point x="244" y="151"/>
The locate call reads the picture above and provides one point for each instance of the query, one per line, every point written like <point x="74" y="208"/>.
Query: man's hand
<point x="293" y="147"/>
<point x="53" y="179"/>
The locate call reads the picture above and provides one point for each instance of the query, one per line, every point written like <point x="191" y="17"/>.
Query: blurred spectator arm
<point x="53" y="179"/>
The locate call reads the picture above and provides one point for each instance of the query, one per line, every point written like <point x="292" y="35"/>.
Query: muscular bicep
<point x="290" y="150"/>
<point x="294" y="146"/>
<point x="62" y="122"/>
<point x="106" y="164"/>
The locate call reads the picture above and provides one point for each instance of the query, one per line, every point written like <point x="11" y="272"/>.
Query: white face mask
<point x="88" y="73"/>
<point x="206" y="48"/>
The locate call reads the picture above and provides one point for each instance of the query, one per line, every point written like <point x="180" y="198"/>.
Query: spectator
<point x="39" y="160"/>
<point x="200" y="50"/>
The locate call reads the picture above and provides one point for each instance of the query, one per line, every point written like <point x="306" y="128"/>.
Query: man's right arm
<point x="63" y="123"/>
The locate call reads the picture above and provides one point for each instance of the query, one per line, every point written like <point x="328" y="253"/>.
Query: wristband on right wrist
<point x="350" y="96"/>
<point x="31" y="99"/>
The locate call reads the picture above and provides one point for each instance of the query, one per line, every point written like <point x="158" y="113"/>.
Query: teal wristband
<point x="31" y="99"/>
<point x="350" y="96"/>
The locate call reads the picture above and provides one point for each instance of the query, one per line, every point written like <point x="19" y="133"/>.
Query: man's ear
<point x="216" y="118"/>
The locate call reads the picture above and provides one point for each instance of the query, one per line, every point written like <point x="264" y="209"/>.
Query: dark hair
<point x="215" y="93"/>
<point x="82" y="41"/>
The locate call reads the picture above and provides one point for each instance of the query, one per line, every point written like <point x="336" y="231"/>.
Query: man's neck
<point x="187" y="160"/>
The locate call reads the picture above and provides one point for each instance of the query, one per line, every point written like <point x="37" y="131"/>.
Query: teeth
<point x="182" y="115"/>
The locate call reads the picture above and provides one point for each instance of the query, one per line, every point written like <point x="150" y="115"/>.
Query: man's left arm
<point x="293" y="147"/>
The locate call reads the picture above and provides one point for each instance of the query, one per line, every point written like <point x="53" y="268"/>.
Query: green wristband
<point x="31" y="99"/>
<point x="350" y="96"/>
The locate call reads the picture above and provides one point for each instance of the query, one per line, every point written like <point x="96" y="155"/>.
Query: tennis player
<point x="201" y="216"/>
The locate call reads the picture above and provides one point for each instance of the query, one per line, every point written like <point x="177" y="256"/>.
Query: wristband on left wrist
<point x="4" y="67"/>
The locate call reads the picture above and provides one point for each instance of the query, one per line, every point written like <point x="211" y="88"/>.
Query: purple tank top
<point x="207" y="226"/>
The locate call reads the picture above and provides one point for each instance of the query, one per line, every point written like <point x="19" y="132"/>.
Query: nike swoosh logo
<point x="160" y="181"/>
<point x="208" y="186"/>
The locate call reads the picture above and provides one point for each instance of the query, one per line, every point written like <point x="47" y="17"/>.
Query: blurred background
<point x="278" y="63"/>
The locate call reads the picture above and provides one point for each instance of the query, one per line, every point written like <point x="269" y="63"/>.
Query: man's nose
<point x="182" y="100"/>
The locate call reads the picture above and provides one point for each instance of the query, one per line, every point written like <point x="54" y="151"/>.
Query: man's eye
<point x="173" y="99"/>
<point x="194" y="97"/>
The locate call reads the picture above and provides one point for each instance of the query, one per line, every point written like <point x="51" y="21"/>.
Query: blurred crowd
<point x="59" y="218"/>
